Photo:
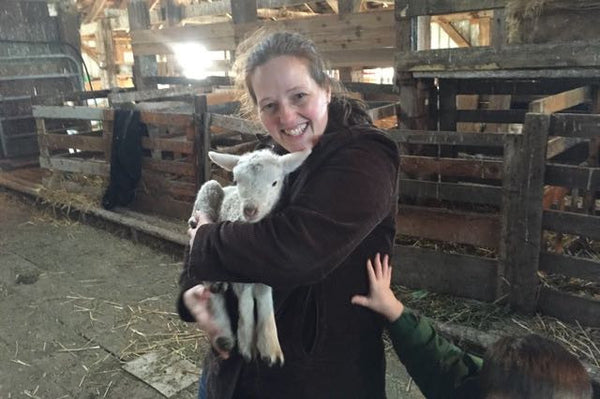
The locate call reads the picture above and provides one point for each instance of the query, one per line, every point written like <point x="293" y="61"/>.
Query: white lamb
<point x="259" y="179"/>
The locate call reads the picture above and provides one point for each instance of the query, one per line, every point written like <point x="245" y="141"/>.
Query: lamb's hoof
<point x="246" y="354"/>
<point x="273" y="359"/>
<point x="224" y="344"/>
<point x="217" y="288"/>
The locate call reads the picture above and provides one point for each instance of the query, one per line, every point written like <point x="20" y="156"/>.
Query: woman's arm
<point x="322" y="223"/>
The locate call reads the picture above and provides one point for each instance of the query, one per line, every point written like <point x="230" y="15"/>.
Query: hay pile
<point x="65" y="191"/>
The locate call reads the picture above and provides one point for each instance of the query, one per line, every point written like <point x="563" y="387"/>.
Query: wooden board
<point x="458" y="192"/>
<point x="408" y="8"/>
<point x="477" y="168"/>
<point x="587" y="269"/>
<point x="569" y="307"/>
<point x="575" y="125"/>
<point x="461" y="275"/>
<point x="477" y="229"/>
<point x="447" y="138"/>
<point x="572" y="223"/>
<point x="572" y="176"/>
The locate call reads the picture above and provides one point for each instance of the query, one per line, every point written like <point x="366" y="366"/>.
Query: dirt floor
<point x="78" y="302"/>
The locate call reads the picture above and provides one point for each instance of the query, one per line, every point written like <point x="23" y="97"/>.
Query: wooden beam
<point x="561" y="101"/>
<point x="482" y="230"/>
<point x="451" y="31"/>
<point x="448" y="138"/>
<point x="97" y="8"/>
<point x="462" y="275"/>
<point x="423" y="166"/>
<point x="525" y="56"/>
<point x="572" y="223"/>
<point x="467" y="193"/>
<point x="585" y="126"/>
<point x="436" y="7"/>
<point x="569" y="307"/>
<point x="59" y="112"/>
<point x="573" y="176"/>
<point x="522" y="192"/>
<point x="587" y="269"/>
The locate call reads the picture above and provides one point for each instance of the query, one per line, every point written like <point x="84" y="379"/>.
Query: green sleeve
<point x="439" y="368"/>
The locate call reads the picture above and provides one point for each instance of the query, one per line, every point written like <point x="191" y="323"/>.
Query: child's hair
<point x="532" y="367"/>
<point x="264" y="45"/>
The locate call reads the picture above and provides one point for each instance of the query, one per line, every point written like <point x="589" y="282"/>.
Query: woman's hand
<point x="196" y="300"/>
<point x="200" y="218"/>
<point x="381" y="298"/>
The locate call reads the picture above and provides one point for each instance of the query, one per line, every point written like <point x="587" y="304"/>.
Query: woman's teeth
<point x="297" y="131"/>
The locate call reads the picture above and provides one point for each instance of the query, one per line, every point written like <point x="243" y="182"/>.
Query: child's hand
<point x="381" y="298"/>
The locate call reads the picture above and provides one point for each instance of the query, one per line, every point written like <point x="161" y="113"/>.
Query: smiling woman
<point x="335" y="211"/>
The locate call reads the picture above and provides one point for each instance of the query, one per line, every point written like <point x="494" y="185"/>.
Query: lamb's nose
<point x="250" y="212"/>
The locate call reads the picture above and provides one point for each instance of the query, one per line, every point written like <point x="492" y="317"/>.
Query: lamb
<point x="259" y="179"/>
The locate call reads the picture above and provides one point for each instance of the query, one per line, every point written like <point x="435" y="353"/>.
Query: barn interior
<point x="494" y="105"/>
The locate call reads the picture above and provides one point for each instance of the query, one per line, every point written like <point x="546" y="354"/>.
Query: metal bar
<point x="15" y="118"/>
<point x="33" y="77"/>
<point x="50" y="56"/>
<point x="14" y="98"/>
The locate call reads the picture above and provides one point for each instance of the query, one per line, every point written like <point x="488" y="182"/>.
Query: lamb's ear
<point x="290" y="162"/>
<point x="226" y="161"/>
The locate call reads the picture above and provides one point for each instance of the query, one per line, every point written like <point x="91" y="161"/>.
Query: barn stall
<point x="499" y="134"/>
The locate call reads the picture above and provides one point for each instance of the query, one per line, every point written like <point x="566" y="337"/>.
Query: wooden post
<point x="106" y="54"/>
<point x="347" y="7"/>
<point x="498" y="35"/>
<point x="202" y="140"/>
<point x="589" y="198"/>
<point x="243" y="12"/>
<point x="522" y="193"/>
<point x="143" y="65"/>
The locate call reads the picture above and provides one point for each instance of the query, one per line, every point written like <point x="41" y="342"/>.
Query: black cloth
<point x="126" y="158"/>
<point x="336" y="210"/>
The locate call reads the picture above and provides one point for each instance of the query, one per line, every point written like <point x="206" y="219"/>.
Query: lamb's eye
<point x="235" y="182"/>
<point x="274" y="183"/>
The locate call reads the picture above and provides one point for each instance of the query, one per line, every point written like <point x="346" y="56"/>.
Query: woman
<point x="311" y="248"/>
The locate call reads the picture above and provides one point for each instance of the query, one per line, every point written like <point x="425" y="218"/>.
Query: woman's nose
<point x="287" y="115"/>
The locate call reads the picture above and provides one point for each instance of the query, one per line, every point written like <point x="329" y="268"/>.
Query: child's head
<point x="532" y="367"/>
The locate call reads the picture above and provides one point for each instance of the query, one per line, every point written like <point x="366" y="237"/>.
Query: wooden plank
<point x="166" y="118"/>
<point x="436" y="7"/>
<point x="237" y="124"/>
<point x="558" y="145"/>
<point x="515" y="87"/>
<point x="448" y="138"/>
<point x="451" y="31"/>
<point x="572" y="176"/>
<point x="375" y="57"/>
<point x="569" y="307"/>
<point x="163" y="206"/>
<point x="118" y="98"/>
<point x="202" y="141"/>
<point x="442" y="224"/>
<point x="383" y="111"/>
<point x="243" y="11"/>
<point x="224" y="7"/>
<point x="571" y="266"/>
<point x="177" y="145"/>
<point x="492" y="116"/>
<point x="561" y="101"/>
<point x="575" y="125"/>
<point x="85" y="167"/>
<point x="522" y="192"/>
<point x="457" y="192"/>
<point x="524" y="56"/>
<point x="460" y="275"/>
<point x="174" y="167"/>
<point x="80" y="142"/>
<point x="572" y="223"/>
<point x="478" y="168"/>
<point x="61" y="112"/>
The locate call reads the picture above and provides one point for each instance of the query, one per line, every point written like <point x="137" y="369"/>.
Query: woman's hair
<point x="264" y="45"/>
<point x="532" y="367"/>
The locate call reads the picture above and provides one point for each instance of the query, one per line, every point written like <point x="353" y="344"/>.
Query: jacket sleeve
<point x="439" y="368"/>
<point x="339" y="203"/>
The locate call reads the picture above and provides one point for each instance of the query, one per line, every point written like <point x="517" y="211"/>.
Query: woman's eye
<point x="300" y="96"/>
<point x="268" y="107"/>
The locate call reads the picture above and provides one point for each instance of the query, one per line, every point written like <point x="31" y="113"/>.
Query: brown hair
<point x="264" y="45"/>
<point x="532" y="367"/>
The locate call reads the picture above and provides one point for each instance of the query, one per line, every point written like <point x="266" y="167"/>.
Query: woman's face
<point x="291" y="105"/>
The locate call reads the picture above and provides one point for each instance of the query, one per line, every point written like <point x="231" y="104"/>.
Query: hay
<point x="584" y="342"/>
<point x="65" y="191"/>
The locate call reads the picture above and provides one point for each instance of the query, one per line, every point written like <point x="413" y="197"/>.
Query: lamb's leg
<point x="225" y="340"/>
<point x="245" y="332"/>
<point x="208" y="200"/>
<point x="267" y="341"/>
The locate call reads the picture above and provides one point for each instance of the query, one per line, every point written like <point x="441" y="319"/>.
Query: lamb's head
<point x="259" y="177"/>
